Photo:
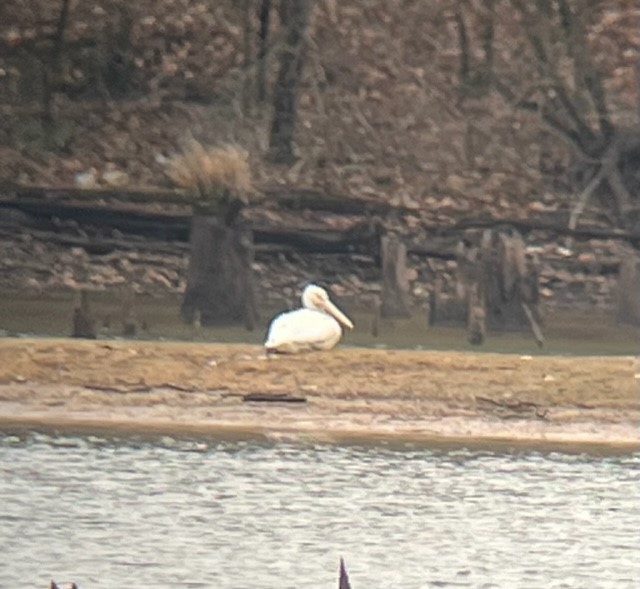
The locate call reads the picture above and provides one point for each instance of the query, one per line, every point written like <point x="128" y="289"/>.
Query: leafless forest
<point x="449" y="110"/>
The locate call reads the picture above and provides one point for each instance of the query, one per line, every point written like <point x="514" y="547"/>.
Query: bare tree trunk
<point x="248" y="89"/>
<point x="220" y="283"/>
<point x="637" y="73"/>
<point x="263" y="36"/>
<point x="295" y="16"/>
<point x="50" y="73"/>
<point x="395" y="286"/>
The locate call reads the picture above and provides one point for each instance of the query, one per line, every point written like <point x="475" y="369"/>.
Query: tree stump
<point x="395" y="286"/>
<point x="497" y="284"/>
<point x="220" y="284"/>
<point x="628" y="303"/>
<point x="444" y="307"/>
<point x="83" y="322"/>
<point x="129" y="316"/>
<point x="476" y="315"/>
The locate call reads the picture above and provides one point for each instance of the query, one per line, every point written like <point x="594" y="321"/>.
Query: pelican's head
<point x="314" y="297"/>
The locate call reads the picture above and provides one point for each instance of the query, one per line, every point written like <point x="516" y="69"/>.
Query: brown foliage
<point x="383" y="111"/>
<point x="212" y="174"/>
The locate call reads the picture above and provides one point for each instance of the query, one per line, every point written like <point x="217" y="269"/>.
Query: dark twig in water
<point x="123" y="389"/>
<point x="273" y="398"/>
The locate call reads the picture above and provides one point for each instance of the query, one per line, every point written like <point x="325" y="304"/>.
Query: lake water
<point x="565" y="332"/>
<point x="134" y="514"/>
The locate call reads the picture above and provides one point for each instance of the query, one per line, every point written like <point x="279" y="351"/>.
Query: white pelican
<point x="314" y="327"/>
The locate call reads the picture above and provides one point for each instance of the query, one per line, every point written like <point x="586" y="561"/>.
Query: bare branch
<point x="585" y="73"/>
<point x="547" y="68"/>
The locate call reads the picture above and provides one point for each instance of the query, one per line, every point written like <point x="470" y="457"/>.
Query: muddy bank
<point x="348" y="394"/>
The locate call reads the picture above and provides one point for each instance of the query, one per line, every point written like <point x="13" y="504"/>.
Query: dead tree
<point x="50" y="72"/>
<point x="555" y="76"/>
<point x="263" y="44"/>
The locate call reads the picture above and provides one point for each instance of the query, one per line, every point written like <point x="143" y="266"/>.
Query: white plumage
<point x="314" y="327"/>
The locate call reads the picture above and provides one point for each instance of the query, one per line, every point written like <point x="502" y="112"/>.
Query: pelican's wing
<point x="304" y="329"/>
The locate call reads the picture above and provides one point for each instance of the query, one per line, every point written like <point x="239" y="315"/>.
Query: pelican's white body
<point x="314" y="327"/>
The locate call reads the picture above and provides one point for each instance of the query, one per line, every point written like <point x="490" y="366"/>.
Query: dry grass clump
<point x="213" y="174"/>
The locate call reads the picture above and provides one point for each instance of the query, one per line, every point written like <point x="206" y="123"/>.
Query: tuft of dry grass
<point x="213" y="174"/>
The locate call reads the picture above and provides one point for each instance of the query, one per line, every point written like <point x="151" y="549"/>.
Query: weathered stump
<point x="476" y="315"/>
<point x="220" y="284"/>
<point x="395" y="285"/>
<point x="496" y="286"/>
<point x="628" y="303"/>
<point x="129" y="316"/>
<point x="83" y="321"/>
<point x="444" y="307"/>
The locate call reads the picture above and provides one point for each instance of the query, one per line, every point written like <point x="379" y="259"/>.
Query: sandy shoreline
<point x="351" y="395"/>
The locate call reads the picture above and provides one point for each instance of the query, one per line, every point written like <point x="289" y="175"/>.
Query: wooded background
<point x="421" y="119"/>
<point x="472" y="105"/>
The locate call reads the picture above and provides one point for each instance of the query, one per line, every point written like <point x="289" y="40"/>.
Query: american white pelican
<point x="314" y="327"/>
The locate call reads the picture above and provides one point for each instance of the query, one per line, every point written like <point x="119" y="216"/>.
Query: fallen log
<point x="556" y="222"/>
<point x="149" y="224"/>
<point x="362" y="237"/>
<point x="291" y="198"/>
<point x="133" y="195"/>
<point x="301" y="198"/>
<point x="60" y="222"/>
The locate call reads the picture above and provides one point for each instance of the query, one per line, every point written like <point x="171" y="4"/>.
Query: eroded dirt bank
<point x="350" y="393"/>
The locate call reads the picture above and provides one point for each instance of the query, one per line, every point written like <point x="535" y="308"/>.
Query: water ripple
<point x="142" y="514"/>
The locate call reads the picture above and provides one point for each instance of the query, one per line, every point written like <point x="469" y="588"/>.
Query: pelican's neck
<point x="307" y="302"/>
